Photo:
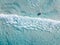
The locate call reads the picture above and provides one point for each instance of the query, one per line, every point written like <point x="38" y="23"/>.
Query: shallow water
<point x="29" y="22"/>
<point x="23" y="30"/>
<point x="47" y="8"/>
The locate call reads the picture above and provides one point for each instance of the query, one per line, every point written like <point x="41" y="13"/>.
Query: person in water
<point x="39" y="14"/>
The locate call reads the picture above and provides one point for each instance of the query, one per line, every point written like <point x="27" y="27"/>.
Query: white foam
<point x="14" y="15"/>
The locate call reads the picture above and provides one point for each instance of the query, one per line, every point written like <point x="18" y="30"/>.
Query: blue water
<point x="20" y="23"/>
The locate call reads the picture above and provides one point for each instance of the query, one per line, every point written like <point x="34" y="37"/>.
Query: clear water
<point x="20" y="24"/>
<point x="47" y="8"/>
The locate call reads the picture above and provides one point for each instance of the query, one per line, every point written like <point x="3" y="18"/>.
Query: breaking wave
<point x="30" y="23"/>
<point x="24" y="30"/>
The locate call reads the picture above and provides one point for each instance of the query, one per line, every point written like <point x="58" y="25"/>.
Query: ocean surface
<point x="47" y="8"/>
<point x="23" y="30"/>
<point x="29" y="22"/>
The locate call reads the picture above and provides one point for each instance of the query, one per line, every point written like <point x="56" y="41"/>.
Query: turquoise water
<point x="29" y="22"/>
<point x="47" y="8"/>
<point x="22" y="30"/>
